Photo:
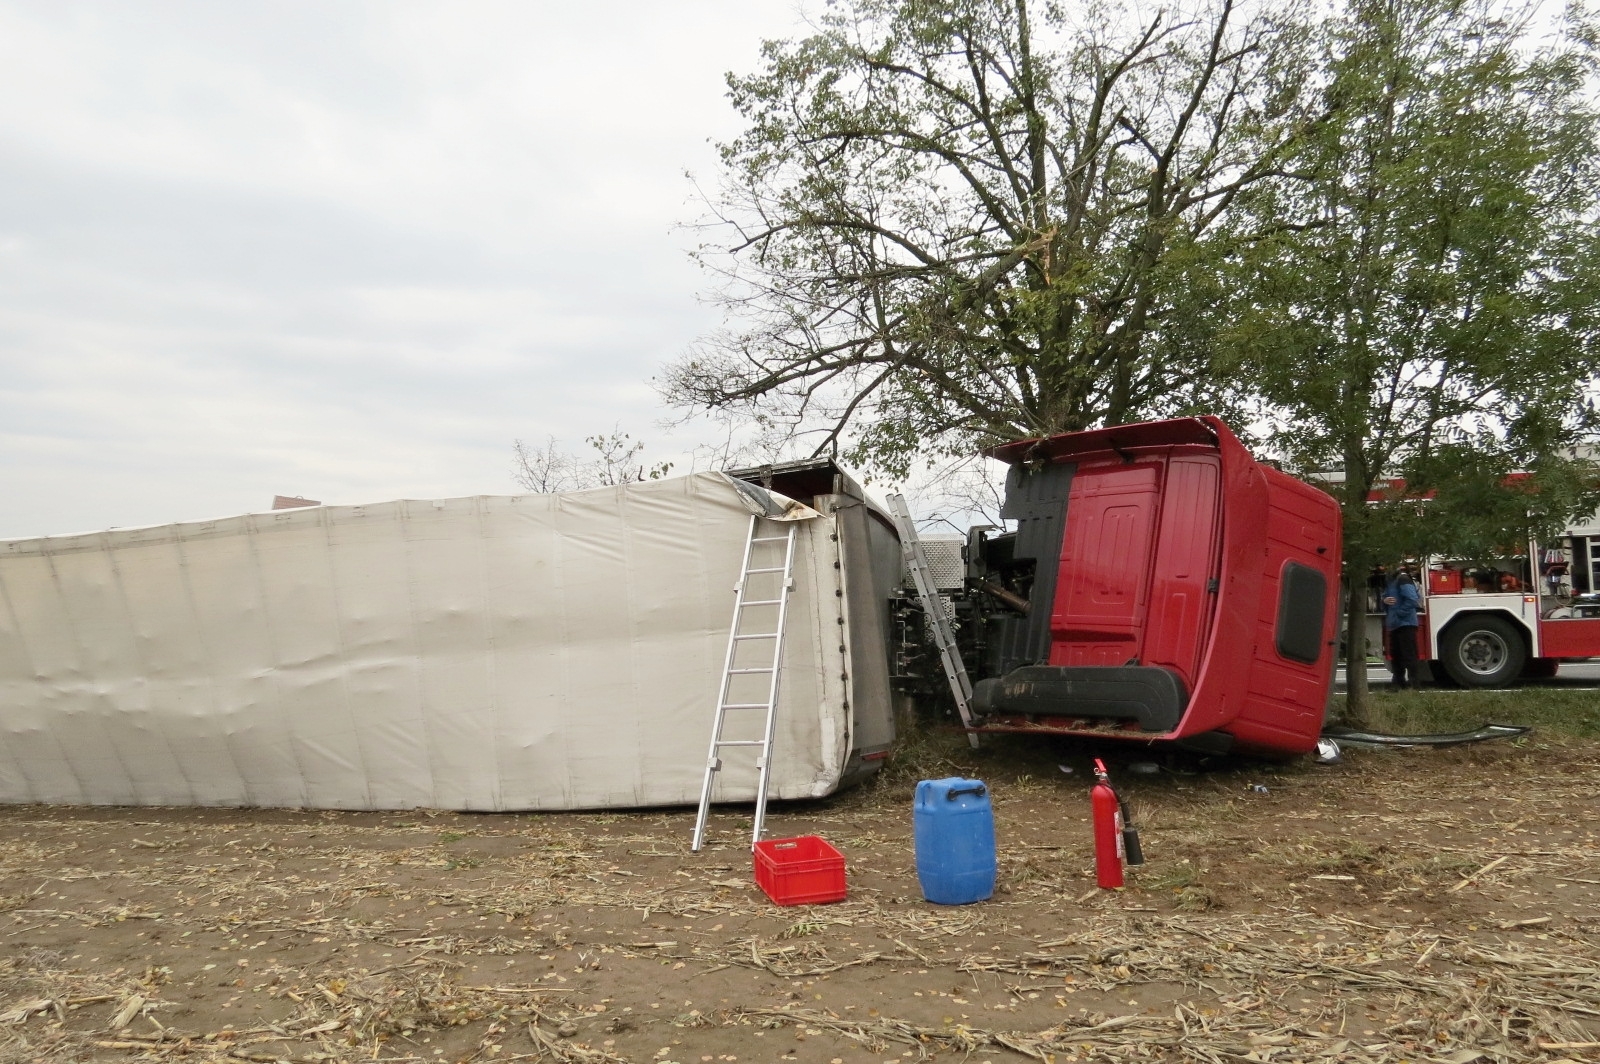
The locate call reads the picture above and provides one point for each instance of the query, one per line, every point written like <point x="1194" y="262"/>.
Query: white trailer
<point x="488" y="653"/>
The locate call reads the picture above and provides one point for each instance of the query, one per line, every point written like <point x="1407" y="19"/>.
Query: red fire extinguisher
<point x="1115" y="840"/>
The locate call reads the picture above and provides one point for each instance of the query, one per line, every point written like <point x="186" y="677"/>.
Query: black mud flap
<point x="1152" y="696"/>
<point x="1356" y="737"/>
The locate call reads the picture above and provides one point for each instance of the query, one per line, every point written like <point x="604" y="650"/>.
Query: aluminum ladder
<point x="944" y="637"/>
<point x="760" y="606"/>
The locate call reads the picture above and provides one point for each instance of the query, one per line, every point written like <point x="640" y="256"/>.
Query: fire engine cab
<point x="1520" y="616"/>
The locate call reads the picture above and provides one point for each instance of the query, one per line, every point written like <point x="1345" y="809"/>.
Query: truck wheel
<point x="1482" y="652"/>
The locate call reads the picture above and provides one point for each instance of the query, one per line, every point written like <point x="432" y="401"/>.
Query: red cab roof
<point x="1206" y="430"/>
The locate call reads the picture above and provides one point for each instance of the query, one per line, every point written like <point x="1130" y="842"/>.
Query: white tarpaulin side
<point x="528" y="652"/>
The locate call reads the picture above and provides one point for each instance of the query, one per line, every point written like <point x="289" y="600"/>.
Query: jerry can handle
<point x="980" y="790"/>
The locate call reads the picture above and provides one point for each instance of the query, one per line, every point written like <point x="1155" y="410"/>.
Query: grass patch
<point x="1550" y="710"/>
<point x="801" y="928"/>
<point x="1352" y="857"/>
<point x="1024" y="764"/>
<point x="1435" y="866"/>
<point x="924" y="752"/>
<point x="1182" y="882"/>
<point x="1174" y="877"/>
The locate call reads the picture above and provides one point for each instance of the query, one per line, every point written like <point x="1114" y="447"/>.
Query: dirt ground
<point x="1416" y="905"/>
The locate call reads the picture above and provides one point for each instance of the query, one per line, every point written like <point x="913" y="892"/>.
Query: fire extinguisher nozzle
<point x="1131" y="847"/>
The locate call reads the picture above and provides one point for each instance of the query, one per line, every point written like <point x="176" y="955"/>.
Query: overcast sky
<point x="345" y="250"/>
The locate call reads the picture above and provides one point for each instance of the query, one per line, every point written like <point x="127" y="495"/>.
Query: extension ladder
<point x="933" y="609"/>
<point x="760" y="605"/>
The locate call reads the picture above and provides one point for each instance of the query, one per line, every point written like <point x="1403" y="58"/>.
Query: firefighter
<point x="1400" y="602"/>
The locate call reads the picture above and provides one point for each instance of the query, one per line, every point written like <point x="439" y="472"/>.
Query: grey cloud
<point x="344" y="250"/>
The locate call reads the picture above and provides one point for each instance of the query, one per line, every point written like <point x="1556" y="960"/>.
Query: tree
<point x="957" y="222"/>
<point x="1430" y="307"/>
<point x="616" y="461"/>
<point x="543" y="469"/>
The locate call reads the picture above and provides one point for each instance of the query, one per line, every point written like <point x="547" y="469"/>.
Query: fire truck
<point x="1489" y="625"/>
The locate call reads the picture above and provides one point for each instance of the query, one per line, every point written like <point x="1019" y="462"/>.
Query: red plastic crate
<point x="804" y="870"/>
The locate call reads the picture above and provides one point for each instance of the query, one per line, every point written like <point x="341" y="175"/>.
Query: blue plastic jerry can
<point x="953" y="824"/>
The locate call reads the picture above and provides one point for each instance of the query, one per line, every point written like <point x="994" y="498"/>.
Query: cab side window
<point x="1302" y="600"/>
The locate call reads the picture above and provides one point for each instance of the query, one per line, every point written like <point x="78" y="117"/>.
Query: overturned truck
<point x="565" y="651"/>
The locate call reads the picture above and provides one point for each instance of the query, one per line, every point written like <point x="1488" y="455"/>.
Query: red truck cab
<point x="1176" y="590"/>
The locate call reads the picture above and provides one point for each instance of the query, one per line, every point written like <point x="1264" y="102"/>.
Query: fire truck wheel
<point x="1482" y="652"/>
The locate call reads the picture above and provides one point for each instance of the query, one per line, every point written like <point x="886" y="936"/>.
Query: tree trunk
<point x="1356" y="704"/>
<point x="1358" y="476"/>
